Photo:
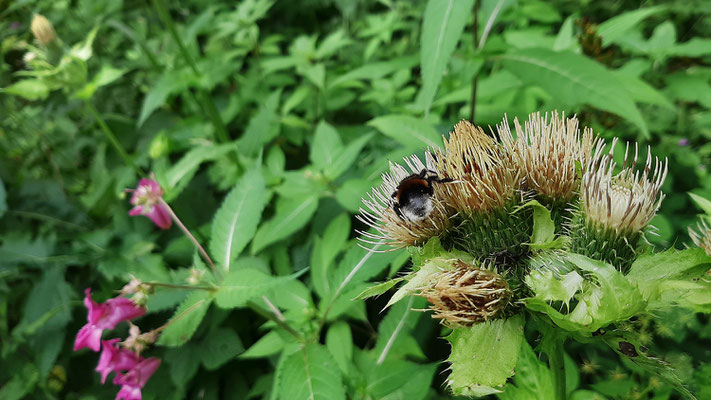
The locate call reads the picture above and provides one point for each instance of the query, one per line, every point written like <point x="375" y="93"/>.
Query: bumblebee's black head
<point x="412" y="200"/>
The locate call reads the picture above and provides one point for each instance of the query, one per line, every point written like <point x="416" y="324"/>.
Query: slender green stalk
<point x="273" y="317"/>
<point x="205" y="99"/>
<point x="173" y="286"/>
<point x="557" y="366"/>
<point x="192" y="238"/>
<point x="112" y="138"/>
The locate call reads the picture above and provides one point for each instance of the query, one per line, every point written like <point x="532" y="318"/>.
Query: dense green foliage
<point x="265" y="123"/>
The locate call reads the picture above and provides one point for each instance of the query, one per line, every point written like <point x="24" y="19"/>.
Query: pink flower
<point x="114" y="358"/>
<point x="104" y="316"/>
<point x="135" y="379"/>
<point x="147" y="201"/>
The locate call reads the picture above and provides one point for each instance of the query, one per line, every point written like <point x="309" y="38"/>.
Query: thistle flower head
<point x="547" y="151"/>
<point x="484" y="178"/>
<point x="466" y="295"/>
<point x="399" y="230"/>
<point x="624" y="202"/>
<point x="702" y="236"/>
<point x="42" y="30"/>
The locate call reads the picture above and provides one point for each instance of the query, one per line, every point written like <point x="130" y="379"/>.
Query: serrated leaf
<point x="484" y="356"/>
<point x="573" y="79"/>
<point x="326" y="146"/>
<point x="236" y="221"/>
<point x="548" y="287"/>
<point x="186" y="319"/>
<point x="442" y="26"/>
<point x="310" y="374"/>
<point x="219" y="346"/>
<point x="245" y="284"/>
<point x="291" y="215"/>
<point x="377" y="290"/>
<point x="169" y="83"/>
<point x="533" y="379"/>
<point x="262" y="127"/>
<point x="325" y="251"/>
<point x="411" y="132"/>
<point x="543" y="225"/>
<point x="266" y="346"/>
<point x="339" y="342"/>
<point x="180" y="174"/>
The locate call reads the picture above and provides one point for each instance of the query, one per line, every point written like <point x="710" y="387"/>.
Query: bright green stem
<point x="112" y="138"/>
<point x="205" y="99"/>
<point x="557" y="366"/>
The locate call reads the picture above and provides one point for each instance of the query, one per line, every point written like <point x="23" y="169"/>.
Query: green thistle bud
<point x="467" y="295"/>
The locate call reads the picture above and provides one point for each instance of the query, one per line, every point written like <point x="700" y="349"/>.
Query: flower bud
<point x="468" y="295"/>
<point x="42" y="30"/>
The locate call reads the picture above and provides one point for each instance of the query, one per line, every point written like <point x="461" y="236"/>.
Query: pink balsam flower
<point x="114" y="358"/>
<point x="147" y="201"/>
<point x="135" y="379"/>
<point x="104" y="316"/>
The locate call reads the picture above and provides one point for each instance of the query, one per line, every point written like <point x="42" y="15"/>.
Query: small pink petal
<point x="119" y="309"/>
<point x="114" y="358"/>
<point x="88" y="336"/>
<point x="160" y="216"/>
<point x="138" y="210"/>
<point x="138" y="375"/>
<point x="129" y="393"/>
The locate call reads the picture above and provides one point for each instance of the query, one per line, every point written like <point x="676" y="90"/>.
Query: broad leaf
<point x="325" y="251"/>
<point x="269" y="344"/>
<point x="339" y="342"/>
<point x="326" y="146"/>
<point x="262" y="127"/>
<point x="620" y="25"/>
<point x="220" y="346"/>
<point x="397" y="325"/>
<point x="573" y="79"/>
<point x="186" y="319"/>
<point x="310" y="373"/>
<point x="484" y="356"/>
<point x="236" y="221"/>
<point x="180" y="174"/>
<point x="533" y="379"/>
<point x="399" y="380"/>
<point x="442" y="26"/>
<point x="702" y="203"/>
<point x="245" y="284"/>
<point x="291" y="215"/>
<point x="411" y="132"/>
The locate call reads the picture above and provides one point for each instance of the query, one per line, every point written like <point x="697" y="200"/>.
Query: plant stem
<point x="557" y="366"/>
<point x="475" y="79"/>
<point x="112" y="138"/>
<point x="173" y="286"/>
<point x="206" y="100"/>
<point x="197" y="244"/>
<point x="273" y="317"/>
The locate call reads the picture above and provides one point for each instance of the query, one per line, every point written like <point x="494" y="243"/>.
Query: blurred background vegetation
<point x="321" y="94"/>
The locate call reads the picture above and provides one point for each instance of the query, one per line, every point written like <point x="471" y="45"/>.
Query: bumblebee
<point x="412" y="200"/>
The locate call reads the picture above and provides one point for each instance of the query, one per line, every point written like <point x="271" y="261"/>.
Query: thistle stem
<point x="190" y="236"/>
<point x="557" y="366"/>
<point x="203" y="96"/>
<point x="112" y="138"/>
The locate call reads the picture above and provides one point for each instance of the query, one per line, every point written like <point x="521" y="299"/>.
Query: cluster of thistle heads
<point x="474" y="199"/>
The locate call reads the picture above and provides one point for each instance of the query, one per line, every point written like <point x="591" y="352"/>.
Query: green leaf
<point x="484" y="356"/>
<point x="291" y="215"/>
<point x="3" y="199"/>
<point x="105" y="76"/>
<point x="266" y="346"/>
<point x="651" y="272"/>
<point x="574" y="79"/>
<point x="620" y="25"/>
<point x="375" y="70"/>
<point x="398" y="324"/>
<point x="420" y="279"/>
<point x="326" y="145"/>
<point x="339" y="342"/>
<point x="411" y="132"/>
<point x="169" y="83"/>
<point x="186" y="319"/>
<point x="325" y="251"/>
<point x="262" y="127"/>
<point x="442" y="26"/>
<point x="180" y="174"/>
<point x="543" y="225"/>
<point x="30" y="89"/>
<point x="244" y="284"/>
<point x="184" y="362"/>
<point x="642" y="92"/>
<point x="310" y="373"/>
<point x="219" y="346"/>
<point x="399" y="379"/>
<point x="702" y="203"/>
<point x="347" y="157"/>
<point x="533" y="379"/>
<point x="377" y="290"/>
<point x="236" y="221"/>
<point x="547" y="286"/>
